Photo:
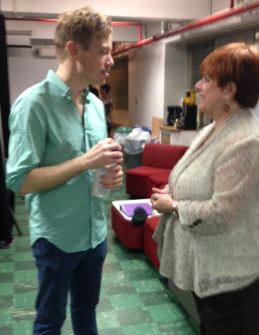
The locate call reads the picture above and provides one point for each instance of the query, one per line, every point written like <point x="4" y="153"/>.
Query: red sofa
<point x="157" y="163"/>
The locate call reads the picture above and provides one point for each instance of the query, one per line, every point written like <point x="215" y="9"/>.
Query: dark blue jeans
<point x="60" y="273"/>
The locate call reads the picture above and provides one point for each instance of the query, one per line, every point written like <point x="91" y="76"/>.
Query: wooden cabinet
<point x="165" y="137"/>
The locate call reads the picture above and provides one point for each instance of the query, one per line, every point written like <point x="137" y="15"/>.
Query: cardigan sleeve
<point x="236" y="178"/>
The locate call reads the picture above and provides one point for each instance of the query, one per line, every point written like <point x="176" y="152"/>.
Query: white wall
<point x="157" y="78"/>
<point x="142" y="71"/>
<point x="26" y="70"/>
<point x="46" y="30"/>
<point x="176" y="9"/>
<point x="176" y="75"/>
<point x="217" y="5"/>
<point x="146" y="84"/>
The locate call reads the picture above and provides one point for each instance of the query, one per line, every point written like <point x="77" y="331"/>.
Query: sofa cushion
<point x="137" y="186"/>
<point x="138" y="183"/>
<point x="158" y="180"/>
<point x="143" y="170"/>
<point x="158" y="161"/>
<point x="162" y="155"/>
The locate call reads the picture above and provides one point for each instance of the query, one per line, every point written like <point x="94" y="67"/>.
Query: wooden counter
<point x="169" y="128"/>
<point x="172" y="135"/>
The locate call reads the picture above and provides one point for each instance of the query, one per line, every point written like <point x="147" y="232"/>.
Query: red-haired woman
<point x="208" y="236"/>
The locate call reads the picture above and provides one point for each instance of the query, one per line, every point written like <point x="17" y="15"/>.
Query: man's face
<point x="94" y="64"/>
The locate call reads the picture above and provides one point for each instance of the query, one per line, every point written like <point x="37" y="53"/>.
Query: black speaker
<point x="4" y="83"/>
<point x="6" y="197"/>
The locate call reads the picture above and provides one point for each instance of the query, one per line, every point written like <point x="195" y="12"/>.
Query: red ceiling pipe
<point x="190" y="26"/>
<point x="114" y="24"/>
<point x="33" y="19"/>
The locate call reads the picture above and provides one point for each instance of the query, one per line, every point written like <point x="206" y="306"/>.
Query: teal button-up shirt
<point x="46" y="129"/>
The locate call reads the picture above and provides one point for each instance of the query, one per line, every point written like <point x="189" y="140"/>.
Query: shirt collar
<point x="62" y="87"/>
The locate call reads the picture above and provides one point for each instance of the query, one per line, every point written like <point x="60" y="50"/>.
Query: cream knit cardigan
<point x="214" y="245"/>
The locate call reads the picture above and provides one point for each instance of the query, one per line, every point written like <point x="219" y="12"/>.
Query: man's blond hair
<point x="79" y="26"/>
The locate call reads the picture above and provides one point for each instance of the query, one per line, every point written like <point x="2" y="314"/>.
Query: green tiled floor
<point x="135" y="300"/>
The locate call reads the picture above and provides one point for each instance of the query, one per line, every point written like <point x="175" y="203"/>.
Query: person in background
<point x="58" y="137"/>
<point x="208" y="236"/>
<point x="105" y="93"/>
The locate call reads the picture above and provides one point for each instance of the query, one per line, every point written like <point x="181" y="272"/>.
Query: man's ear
<point x="71" y="48"/>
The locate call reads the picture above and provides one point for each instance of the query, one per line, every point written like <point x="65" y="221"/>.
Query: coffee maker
<point x="188" y="117"/>
<point x="174" y="113"/>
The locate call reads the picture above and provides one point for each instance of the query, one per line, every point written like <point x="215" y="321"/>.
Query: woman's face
<point x="209" y="96"/>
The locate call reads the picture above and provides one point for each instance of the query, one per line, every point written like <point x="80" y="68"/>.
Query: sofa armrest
<point x="163" y="156"/>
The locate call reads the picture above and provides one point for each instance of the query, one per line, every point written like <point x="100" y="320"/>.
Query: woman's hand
<point x="161" y="201"/>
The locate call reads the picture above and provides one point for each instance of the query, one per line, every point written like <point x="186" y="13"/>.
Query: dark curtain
<point x="6" y="219"/>
<point x="6" y="197"/>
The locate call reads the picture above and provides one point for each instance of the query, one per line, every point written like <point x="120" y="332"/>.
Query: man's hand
<point x="104" y="153"/>
<point x="113" y="177"/>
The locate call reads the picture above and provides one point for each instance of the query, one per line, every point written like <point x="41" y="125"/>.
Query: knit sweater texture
<point x="213" y="247"/>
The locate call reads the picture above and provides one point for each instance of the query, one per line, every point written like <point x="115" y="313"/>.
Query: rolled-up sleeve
<point x="26" y="142"/>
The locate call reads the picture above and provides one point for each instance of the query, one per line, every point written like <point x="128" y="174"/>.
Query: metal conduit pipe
<point x="210" y="7"/>
<point x="191" y="26"/>
<point x="32" y="19"/>
<point x="231" y="3"/>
